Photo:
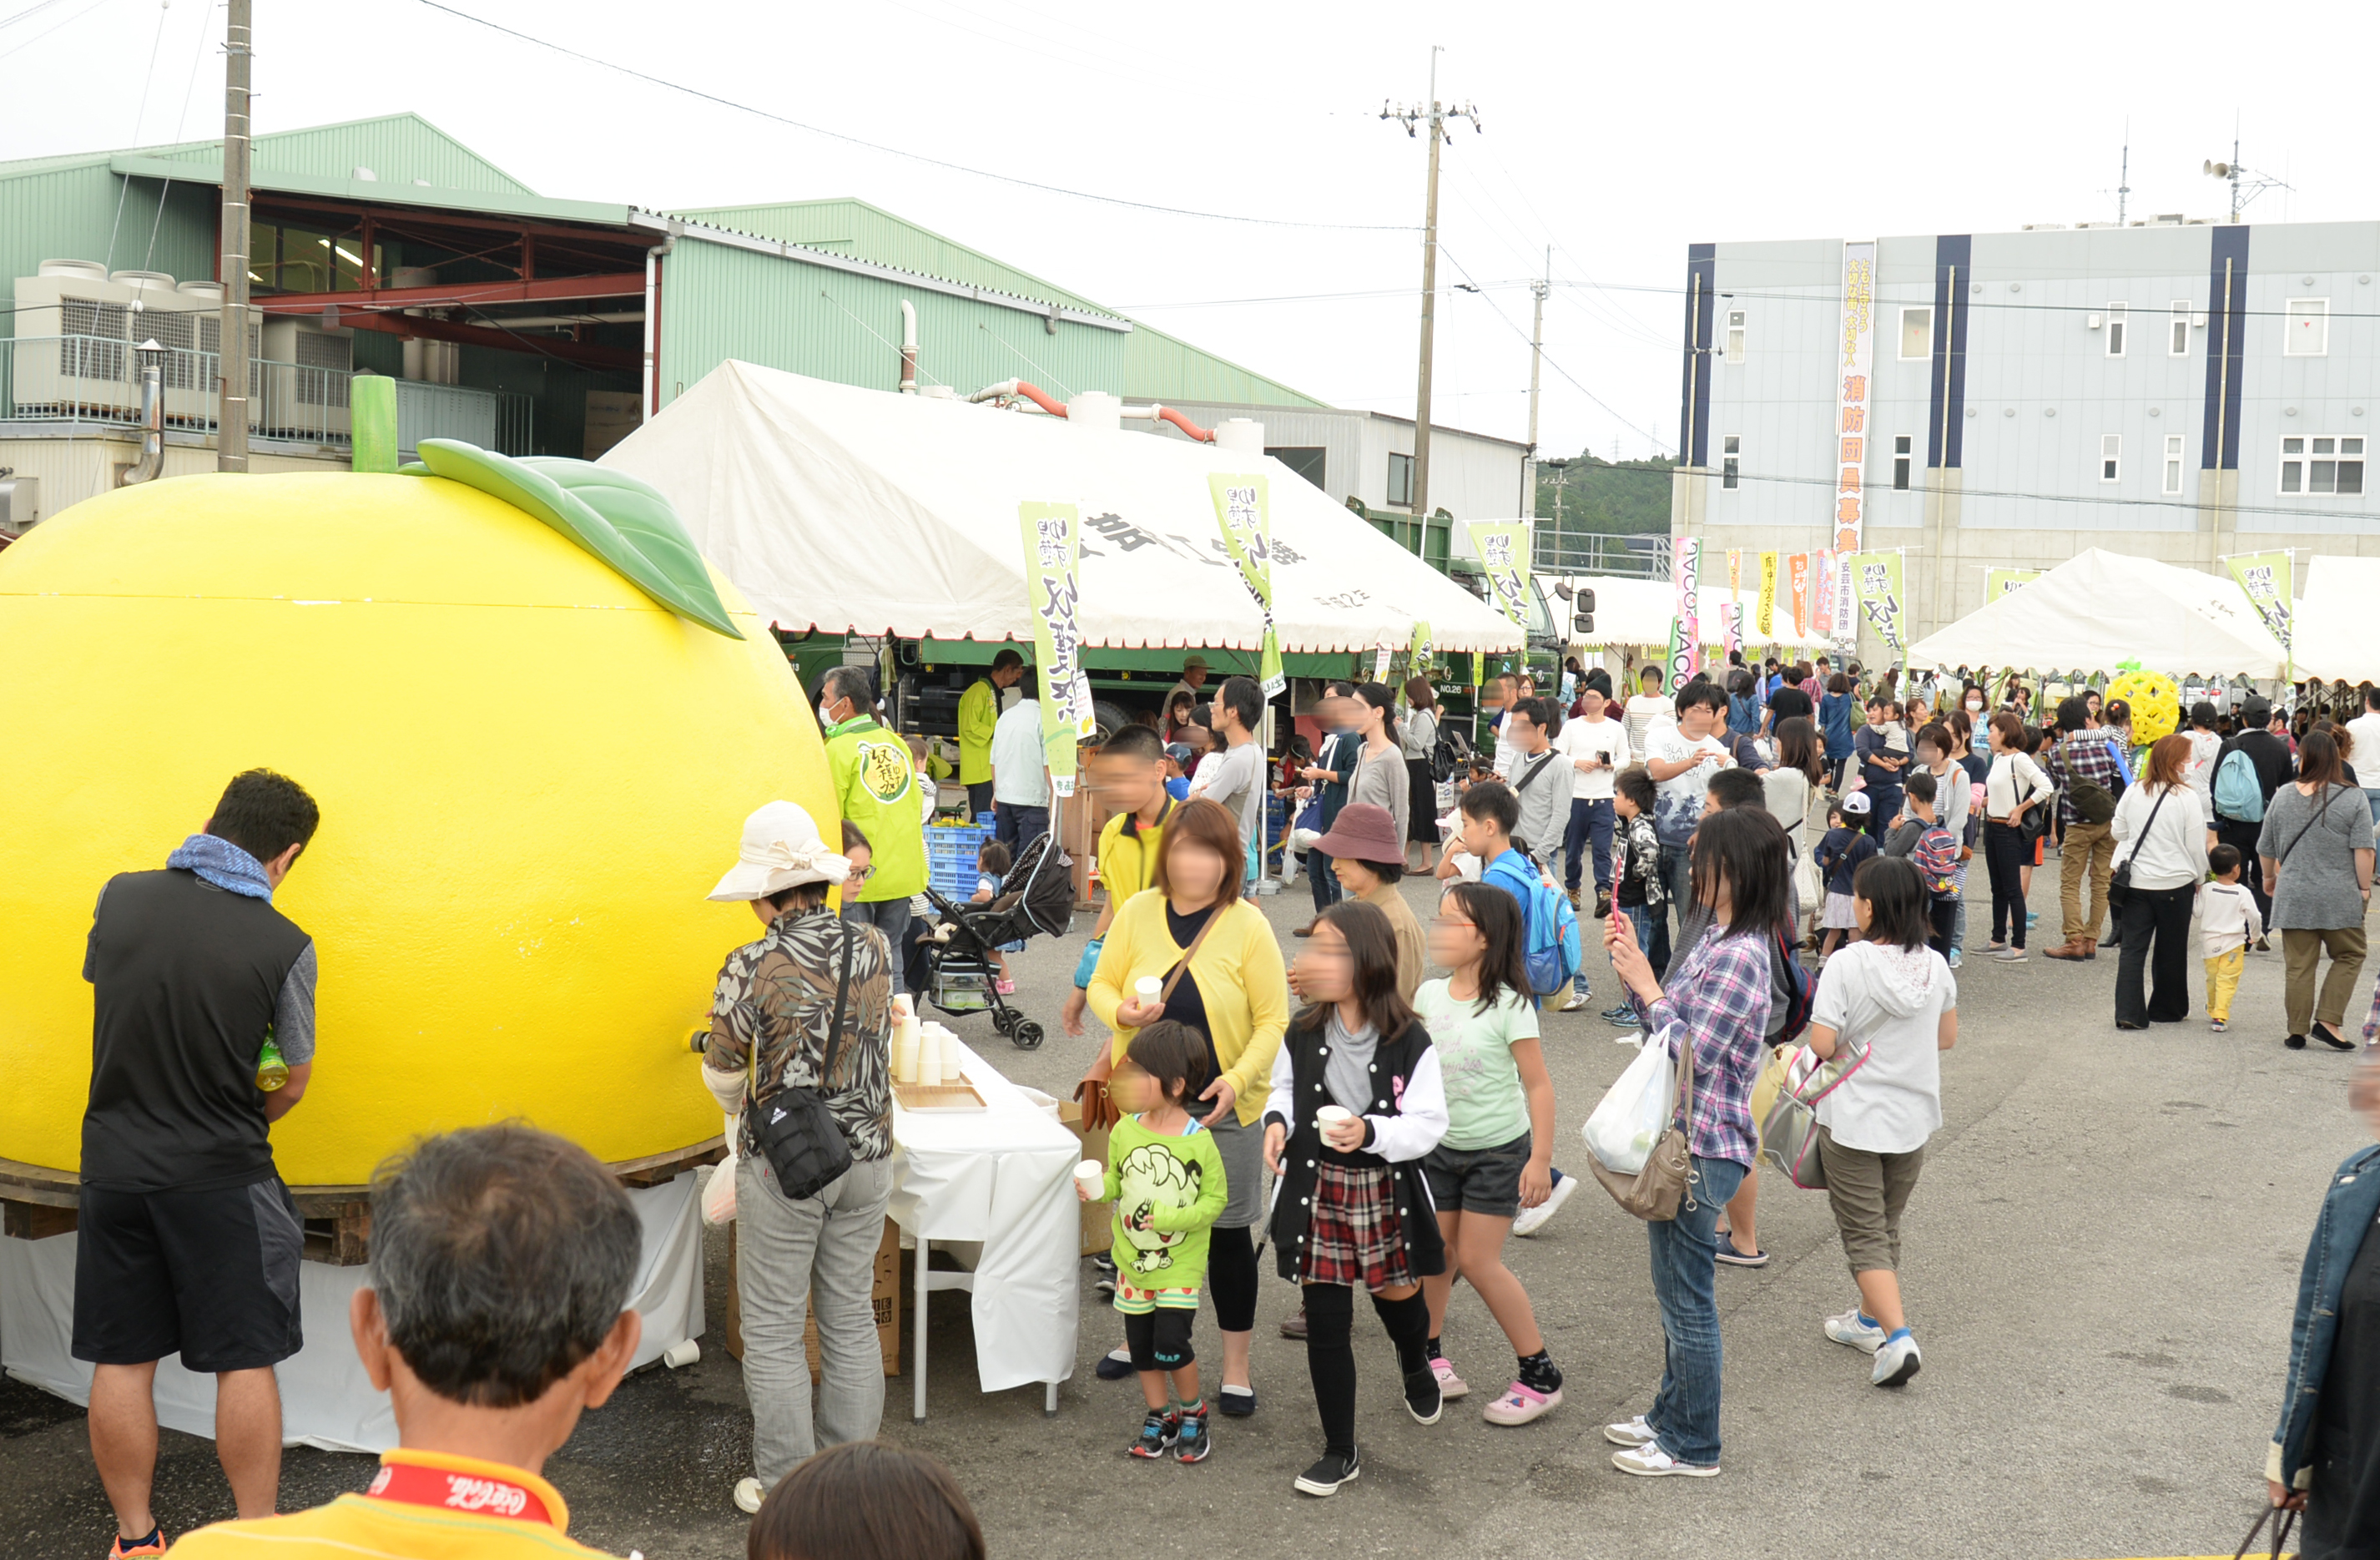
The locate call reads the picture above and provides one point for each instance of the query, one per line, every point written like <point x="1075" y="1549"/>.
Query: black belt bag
<point x="797" y="1133"/>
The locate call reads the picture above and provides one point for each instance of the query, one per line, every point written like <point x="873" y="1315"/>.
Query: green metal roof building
<point x="534" y="324"/>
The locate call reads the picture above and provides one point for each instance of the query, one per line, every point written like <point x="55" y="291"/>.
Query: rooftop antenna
<point x="2124" y="174"/>
<point x="2246" y="184"/>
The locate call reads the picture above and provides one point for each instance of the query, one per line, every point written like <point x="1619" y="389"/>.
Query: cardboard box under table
<point x="995" y="1186"/>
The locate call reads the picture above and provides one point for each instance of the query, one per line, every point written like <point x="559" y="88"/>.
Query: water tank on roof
<point x="89" y="269"/>
<point x="205" y="292"/>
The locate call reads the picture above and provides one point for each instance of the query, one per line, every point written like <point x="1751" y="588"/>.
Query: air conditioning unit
<point x="73" y="355"/>
<point x="166" y="312"/>
<point x="302" y="384"/>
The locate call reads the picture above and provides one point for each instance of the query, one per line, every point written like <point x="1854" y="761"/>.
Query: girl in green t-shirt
<point x="1496" y="1155"/>
<point x="1165" y="1176"/>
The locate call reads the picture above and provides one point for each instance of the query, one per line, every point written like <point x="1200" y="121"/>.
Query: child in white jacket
<point x="2228" y="922"/>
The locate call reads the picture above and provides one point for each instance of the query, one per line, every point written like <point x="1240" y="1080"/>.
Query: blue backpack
<point x="2239" y="792"/>
<point x="1553" y="953"/>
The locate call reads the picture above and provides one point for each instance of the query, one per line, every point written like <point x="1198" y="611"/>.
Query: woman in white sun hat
<point x="813" y="982"/>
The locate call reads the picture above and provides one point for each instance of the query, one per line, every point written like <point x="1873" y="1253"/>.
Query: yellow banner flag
<point x="1768" y="611"/>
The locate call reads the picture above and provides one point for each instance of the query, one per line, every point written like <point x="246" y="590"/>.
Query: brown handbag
<point x="1092" y="1093"/>
<point x="1656" y="1192"/>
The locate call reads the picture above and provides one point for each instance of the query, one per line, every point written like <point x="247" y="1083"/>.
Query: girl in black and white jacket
<point x="1356" y="1102"/>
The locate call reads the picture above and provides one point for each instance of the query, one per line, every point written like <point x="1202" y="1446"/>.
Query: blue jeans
<point x="1588" y="820"/>
<point x="1684" y="1416"/>
<point x="1642" y="920"/>
<point x="2374" y="798"/>
<point x="1015" y="826"/>
<point x="1677" y="873"/>
<point x="1327" y="889"/>
<point x="891" y="917"/>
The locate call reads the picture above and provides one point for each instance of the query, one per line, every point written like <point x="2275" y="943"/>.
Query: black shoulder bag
<point x="793" y="1127"/>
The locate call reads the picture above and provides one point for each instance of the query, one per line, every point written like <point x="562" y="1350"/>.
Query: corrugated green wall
<point x="719" y="302"/>
<point x="399" y="148"/>
<point x="70" y="213"/>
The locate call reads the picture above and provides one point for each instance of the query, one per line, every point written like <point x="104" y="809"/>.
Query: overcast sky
<point x="1616" y="134"/>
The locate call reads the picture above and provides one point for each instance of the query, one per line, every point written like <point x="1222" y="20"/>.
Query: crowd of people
<point x="1405" y="1121"/>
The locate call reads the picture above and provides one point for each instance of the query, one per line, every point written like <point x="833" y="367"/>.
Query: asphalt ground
<point x="2100" y="1264"/>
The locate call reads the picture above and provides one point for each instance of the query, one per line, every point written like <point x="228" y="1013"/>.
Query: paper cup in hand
<point x="1148" y="988"/>
<point x="1092" y="1176"/>
<point x="1331" y="1115"/>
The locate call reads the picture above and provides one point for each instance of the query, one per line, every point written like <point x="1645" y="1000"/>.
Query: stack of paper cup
<point x="906" y="1036"/>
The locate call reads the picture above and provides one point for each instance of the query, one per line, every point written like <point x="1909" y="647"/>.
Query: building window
<point x="1304" y="460"/>
<point x="2173" y="453"/>
<point x="1735" y="336"/>
<point x="1401" y="481"/>
<point x="2177" y="343"/>
<point x="2111" y="455"/>
<point x="2322" y="465"/>
<point x="2117" y="317"/>
<point x="1730" y="448"/>
<point x="1916" y="334"/>
<point x="2308" y="324"/>
<point x="1901" y="462"/>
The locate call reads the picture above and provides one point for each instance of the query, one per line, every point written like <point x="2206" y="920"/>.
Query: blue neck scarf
<point x="225" y="865"/>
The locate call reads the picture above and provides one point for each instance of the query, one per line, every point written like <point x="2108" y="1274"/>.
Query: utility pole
<point x="1537" y="357"/>
<point x="231" y="356"/>
<point x="1434" y="116"/>
<point x="2124" y="175"/>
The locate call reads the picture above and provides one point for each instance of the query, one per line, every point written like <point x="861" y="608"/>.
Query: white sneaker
<point x="749" y="1494"/>
<point x="1577" y="1003"/>
<point x="1635" y="1432"/>
<point x="1534" y="1219"/>
<point x="1649" y="1461"/>
<point x="1855" y="1331"/>
<point x="1895" y="1361"/>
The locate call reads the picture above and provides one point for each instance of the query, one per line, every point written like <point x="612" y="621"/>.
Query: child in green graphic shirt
<point x="1165" y="1177"/>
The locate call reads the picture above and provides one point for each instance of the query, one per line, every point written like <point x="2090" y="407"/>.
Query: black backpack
<point x="1450" y="754"/>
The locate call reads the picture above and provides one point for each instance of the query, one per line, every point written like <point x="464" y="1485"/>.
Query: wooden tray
<point x="959" y="1096"/>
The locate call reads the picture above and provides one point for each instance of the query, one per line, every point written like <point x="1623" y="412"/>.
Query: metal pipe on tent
<point x="1018" y="389"/>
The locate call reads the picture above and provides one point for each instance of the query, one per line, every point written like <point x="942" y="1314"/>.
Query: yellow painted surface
<point x="530" y="776"/>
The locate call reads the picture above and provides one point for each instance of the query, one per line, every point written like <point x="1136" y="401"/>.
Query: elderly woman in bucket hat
<point x="1369" y="857"/>
<point x="813" y="982"/>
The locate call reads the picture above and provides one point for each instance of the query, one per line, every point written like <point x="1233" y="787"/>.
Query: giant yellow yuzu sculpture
<point x="2155" y="701"/>
<point x="530" y="773"/>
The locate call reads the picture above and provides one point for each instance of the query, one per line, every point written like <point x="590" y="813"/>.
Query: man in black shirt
<point x="2260" y="737"/>
<point x="187" y="1242"/>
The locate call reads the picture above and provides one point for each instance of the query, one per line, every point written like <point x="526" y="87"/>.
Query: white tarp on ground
<point x="1639" y="612"/>
<point x="860" y="511"/>
<point x="326" y="1399"/>
<point x="2335" y="637"/>
<point x="2098" y="610"/>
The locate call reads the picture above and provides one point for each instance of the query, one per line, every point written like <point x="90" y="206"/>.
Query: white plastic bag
<point x="1635" y="1111"/>
<point x="719" y="1192"/>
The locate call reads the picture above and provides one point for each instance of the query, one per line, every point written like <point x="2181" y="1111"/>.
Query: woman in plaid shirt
<point x="1716" y="997"/>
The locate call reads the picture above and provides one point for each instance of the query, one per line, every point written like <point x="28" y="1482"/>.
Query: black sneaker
<point x="1423" y="1400"/>
<point x="1114" y="1365"/>
<point x="1325" y="1477"/>
<point x="1159" y="1433"/>
<point x="1191" y="1442"/>
<point x="1104" y="1267"/>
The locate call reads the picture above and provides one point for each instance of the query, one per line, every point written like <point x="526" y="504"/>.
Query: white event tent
<point x="2334" y="637"/>
<point x="845" y="510"/>
<point x="2098" y="610"/>
<point x="1639" y="612"/>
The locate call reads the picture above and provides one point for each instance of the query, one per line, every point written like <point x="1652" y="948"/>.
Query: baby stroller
<point x="961" y="975"/>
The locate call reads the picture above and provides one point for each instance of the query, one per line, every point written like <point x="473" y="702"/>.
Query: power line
<point x="896" y="151"/>
<point x="1582" y="389"/>
<point x="2175" y="503"/>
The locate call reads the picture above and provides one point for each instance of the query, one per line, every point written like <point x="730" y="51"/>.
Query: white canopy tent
<point x="2098" y="610"/>
<point x="2334" y="637"/>
<point x="1640" y="612"/>
<point x="845" y="510"/>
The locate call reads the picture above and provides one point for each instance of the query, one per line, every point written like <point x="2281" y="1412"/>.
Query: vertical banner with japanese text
<point x="1053" y="538"/>
<point x="1685" y="623"/>
<point x="1730" y="611"/>
<point x="1243" y="507"/>
<point x="1880" y="596"/>
<point x="2265" y="577"/>
<point x="1503" y="549"/>
<point x="1822" y="593"/>
<point x="1798" y="572"/>
<point x="1419" y="653"/>
<point x="1767" y="621"/>
<point x="1999" y="582"/>
<point x="1855" y="355"/>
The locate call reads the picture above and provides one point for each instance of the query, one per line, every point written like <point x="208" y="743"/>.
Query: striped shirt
<point x="2083" y="755"/>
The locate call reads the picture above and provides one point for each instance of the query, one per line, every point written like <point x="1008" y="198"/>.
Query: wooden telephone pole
<point x="231" y="357"/>
<point x="1413" y="119"/>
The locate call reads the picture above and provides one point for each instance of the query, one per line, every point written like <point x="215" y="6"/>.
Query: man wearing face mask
<point x="878" y="791"/>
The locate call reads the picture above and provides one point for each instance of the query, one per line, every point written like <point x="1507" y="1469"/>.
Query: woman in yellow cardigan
<point x="1235" y="992"/>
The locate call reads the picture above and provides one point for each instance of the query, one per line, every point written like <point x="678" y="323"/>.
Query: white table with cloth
<point x="998" y="1186"/>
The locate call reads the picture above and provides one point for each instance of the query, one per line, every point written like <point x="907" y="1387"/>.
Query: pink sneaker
<point x="1006" y="987"/>
<point x="1520" y="1404"/>
<point x="1449" y="1385"/>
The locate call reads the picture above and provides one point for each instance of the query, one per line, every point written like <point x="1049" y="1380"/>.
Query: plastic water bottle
<point x="272" y="1072"/>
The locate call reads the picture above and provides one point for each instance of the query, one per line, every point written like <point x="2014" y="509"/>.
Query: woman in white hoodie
<point x="1895" y="995"/>
<point x="2160" y="835"/>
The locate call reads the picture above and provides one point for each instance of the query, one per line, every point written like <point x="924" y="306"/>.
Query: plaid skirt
<point x="1356" y="1237"/>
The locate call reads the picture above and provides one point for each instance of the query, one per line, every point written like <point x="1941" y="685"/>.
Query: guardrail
<point x="93" y="379"/>
<point x="1580" y="552"/>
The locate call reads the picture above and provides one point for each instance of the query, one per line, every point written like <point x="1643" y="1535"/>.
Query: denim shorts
<point x="1482" y="1181"/>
